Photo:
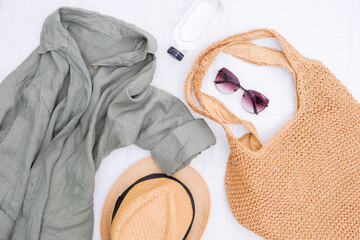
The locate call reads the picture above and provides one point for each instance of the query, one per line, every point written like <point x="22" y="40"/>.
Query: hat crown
<point x="154" y="209"/>
<point x="160" y="206"/>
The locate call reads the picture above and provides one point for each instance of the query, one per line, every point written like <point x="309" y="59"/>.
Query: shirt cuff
<point x="181" y="145"/>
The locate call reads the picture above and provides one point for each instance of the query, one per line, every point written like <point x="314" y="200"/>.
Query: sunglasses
<point x="252" y="101"/>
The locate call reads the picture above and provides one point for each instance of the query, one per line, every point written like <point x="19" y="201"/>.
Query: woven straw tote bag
<point x="304" y="183"/>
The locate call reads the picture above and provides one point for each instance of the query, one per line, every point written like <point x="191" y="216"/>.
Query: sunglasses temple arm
<point x="253" y="103"/>
<point x="219" y="82"/>
<point x="227" y="80"/>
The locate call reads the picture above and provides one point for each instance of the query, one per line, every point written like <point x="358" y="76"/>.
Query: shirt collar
<point x="55" y="37"/>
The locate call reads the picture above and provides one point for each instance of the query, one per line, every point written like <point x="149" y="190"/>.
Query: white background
<point x="327" y="30"/>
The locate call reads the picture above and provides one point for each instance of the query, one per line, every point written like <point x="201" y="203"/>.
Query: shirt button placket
<point x="93" y="69"/>
<point x="29" y="196"/>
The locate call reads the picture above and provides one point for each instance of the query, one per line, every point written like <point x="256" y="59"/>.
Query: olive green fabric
<point x="81" y="94"/>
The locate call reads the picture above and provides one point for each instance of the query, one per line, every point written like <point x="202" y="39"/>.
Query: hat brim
<point x="188" y="176"/>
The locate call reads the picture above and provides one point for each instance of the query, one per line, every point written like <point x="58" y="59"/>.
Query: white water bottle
<point x="193" y="27"/>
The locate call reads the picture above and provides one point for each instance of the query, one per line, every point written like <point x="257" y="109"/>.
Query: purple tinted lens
<point x="226" y="82"/>
<point x="254" y="102"/>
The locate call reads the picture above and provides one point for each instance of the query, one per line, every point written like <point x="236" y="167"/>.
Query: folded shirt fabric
<point x="81" y="94"/>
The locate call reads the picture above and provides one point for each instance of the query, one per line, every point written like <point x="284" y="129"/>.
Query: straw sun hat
<point x="146" y="204"/>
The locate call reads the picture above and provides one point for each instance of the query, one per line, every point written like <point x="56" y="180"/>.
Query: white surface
<point x="327" y="30"/>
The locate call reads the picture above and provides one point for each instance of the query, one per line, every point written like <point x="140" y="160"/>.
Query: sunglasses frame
<point x="238" y="86"/>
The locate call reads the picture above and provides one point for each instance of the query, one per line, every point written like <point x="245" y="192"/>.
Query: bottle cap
<point x="175" y="53"/>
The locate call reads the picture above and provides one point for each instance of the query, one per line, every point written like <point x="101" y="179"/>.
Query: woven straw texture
<point x="154" y="209"/>
<point x="304" y="183"/>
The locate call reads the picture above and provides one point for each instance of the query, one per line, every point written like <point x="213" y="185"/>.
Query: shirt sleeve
<point x="171" y="132"/>
<point x="153" y="120"/>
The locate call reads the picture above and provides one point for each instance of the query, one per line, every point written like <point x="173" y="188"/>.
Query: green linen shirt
<point x="81" y="94"/>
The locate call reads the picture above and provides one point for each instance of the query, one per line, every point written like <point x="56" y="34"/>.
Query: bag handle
<point x="239" y="46"/>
